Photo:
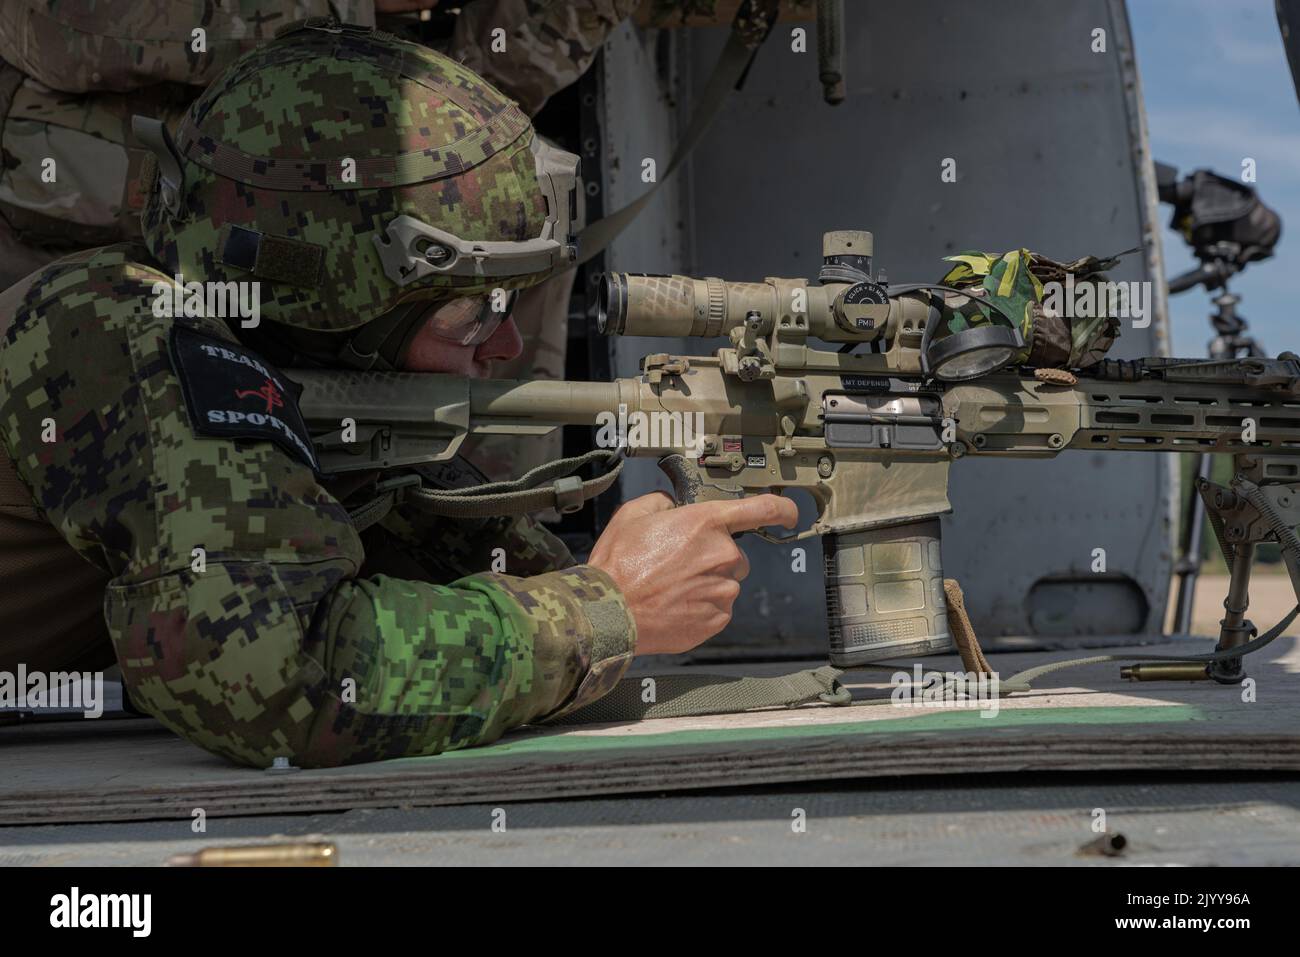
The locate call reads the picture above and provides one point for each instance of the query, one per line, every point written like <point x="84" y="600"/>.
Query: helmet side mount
<point x="153" y="136"/>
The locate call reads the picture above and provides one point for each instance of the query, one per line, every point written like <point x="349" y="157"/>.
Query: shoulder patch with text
<point x="234" y="393"/>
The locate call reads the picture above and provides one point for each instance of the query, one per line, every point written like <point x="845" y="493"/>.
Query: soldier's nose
<point x="504" y="344"/>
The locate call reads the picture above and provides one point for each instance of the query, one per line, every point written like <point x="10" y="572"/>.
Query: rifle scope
<point x="632" y="304"/>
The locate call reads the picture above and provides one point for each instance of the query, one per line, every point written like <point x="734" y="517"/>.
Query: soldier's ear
<point x="152" y="135"/>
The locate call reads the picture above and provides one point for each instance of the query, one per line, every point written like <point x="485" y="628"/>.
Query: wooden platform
<point x="1089" y="721"/>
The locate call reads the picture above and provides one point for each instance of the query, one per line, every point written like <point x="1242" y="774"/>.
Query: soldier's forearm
<point x="485" y="654"/>
<point x="582" y="634"/>
<point x="456" y="666"/>
<point x="259" y="662"/>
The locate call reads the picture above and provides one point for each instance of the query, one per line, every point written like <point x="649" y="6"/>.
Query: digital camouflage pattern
<point x="299" y="637"/>
<point x="286" y="644"/>
<point x="427" y="138"/>
<point x="359" y="128"/>
<point x="548" y="44"/>
<point x="98" y="196"/>
<point x="84" y="142"/>
<point x="81" y="46"/>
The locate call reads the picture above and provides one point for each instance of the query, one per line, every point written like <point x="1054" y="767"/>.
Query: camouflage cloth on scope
<point x="293" y="638"/>
<point x="1015" y="280"/>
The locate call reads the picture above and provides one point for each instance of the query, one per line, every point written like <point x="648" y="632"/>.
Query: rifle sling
<point x="728" y="73"/>
<point x="688" y="695"/>
<point x="552" y="485"/>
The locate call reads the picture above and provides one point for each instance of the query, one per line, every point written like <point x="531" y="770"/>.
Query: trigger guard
<point x="782" y="539"/>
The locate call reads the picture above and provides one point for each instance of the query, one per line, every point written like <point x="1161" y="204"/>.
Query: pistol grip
<point x="689" y="486"/>
<point x="684" y="476"/>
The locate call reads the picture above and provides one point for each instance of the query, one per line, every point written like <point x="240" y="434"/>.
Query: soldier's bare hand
<point x="678" y="568"/>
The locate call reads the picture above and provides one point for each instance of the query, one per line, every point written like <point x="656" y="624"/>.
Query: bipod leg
<point x="1235" y="628"/>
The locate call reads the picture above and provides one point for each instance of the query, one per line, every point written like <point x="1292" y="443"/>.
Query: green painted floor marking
<point x="956" y="720"/>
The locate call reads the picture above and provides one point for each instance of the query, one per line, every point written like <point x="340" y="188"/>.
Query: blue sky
<point x="1217" y="89"/>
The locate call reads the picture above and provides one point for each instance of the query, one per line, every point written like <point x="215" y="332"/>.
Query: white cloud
<point x="1221" y="137"/>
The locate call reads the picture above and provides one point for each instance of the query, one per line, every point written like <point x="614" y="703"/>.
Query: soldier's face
<point x="429" y="352"/>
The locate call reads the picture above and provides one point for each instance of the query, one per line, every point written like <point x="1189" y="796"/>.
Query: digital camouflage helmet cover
<point x="351" y="172"/>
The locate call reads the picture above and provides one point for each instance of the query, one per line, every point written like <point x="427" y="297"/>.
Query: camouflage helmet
<point x="350" y="172"/>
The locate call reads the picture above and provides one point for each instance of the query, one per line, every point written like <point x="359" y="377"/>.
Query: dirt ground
<point x="1271" y="598"/>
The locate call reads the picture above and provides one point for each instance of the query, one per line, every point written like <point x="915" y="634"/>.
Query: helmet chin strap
<point x="381" y="343"/>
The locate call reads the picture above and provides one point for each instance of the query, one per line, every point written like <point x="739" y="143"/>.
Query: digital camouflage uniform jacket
<point x="295" y="639"/>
